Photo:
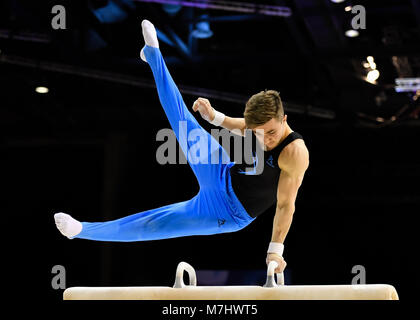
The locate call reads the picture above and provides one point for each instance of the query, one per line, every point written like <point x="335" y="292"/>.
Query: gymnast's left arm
<point x="293" y="163"/>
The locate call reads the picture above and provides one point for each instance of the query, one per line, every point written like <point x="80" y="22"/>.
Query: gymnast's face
<point x="272" y="134"/>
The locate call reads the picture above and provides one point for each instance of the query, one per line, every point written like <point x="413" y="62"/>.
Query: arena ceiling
<point x="297" y="47"/>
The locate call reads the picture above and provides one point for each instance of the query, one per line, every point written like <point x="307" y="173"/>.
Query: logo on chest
<point x="270" y="161"/>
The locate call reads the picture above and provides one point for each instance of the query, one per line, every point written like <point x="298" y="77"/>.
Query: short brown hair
<point x="262" y="107"/>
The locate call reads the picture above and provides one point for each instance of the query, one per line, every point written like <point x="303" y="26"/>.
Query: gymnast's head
<point x="264" y="110"/>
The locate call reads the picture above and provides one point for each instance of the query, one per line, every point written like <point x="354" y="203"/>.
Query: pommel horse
<point x="269" y="291"/>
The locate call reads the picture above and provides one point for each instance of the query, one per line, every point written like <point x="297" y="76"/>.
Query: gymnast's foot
<point x="68" y="226"/>
<point x="149" y="35"/>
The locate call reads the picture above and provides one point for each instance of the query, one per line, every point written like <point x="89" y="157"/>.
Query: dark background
<point x="88" y="147"/>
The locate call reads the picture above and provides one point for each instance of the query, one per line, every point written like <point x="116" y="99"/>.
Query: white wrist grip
<point x="276" y="247"/>
<point x="218" y="118"/>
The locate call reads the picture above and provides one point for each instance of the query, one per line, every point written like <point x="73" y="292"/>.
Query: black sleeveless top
<point x="255" y="180"/>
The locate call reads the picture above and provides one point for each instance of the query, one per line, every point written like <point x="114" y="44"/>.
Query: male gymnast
<point x="230" y="196"/>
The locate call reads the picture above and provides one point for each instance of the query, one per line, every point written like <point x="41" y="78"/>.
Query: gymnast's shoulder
<point x="294" y="157"/>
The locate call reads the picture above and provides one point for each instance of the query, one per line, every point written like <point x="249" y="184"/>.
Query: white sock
<point x="149" y="35"/>
<point x="68" y="226"/>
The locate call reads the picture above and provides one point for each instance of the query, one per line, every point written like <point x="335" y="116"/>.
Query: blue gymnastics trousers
<point x="215" y="209"/>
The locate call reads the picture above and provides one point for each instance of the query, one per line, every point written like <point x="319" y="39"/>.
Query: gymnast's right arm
<point x="207" y="112"/>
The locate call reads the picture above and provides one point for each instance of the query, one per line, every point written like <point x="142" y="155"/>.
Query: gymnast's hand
<point x="204" y="107"/>
<point x="281" y="262"/>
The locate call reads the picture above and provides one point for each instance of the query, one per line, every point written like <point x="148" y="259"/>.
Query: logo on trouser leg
<point x="221" y="221"/>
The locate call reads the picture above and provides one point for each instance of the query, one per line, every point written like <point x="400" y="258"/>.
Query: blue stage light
<point x="202" y="29"/>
